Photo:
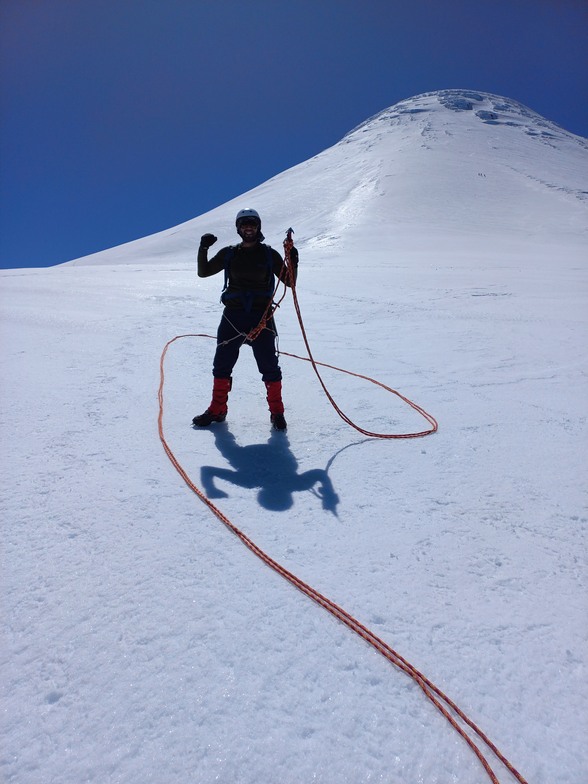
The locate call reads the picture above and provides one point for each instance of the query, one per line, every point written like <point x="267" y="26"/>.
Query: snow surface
<point x="443" y="253"/>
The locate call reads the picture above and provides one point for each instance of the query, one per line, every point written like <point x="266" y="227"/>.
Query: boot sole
<point x="209" y="422"/>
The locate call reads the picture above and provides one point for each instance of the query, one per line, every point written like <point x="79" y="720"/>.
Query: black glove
<point x="294" y="256"/>
<point x="207" y="240"/>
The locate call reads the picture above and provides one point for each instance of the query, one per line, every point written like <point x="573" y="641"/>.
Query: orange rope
<point x="445" y="705"/>
<point x="431" y="419"/>
<point x="441" y="701"/>
<point x="272" y="306"/>
<point x="288" y="244"/>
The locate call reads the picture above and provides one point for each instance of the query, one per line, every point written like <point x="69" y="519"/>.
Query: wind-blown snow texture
<point x="442" y="251"/>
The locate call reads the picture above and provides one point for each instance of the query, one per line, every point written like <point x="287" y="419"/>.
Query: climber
<point x="249" y="269"/>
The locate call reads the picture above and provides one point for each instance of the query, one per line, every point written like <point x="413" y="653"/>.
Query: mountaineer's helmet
<point x="247" y="214"/>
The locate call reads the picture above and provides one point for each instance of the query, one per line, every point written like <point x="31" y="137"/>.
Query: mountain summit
<point x="485" y="107"/>
<point x="444" y="163"/>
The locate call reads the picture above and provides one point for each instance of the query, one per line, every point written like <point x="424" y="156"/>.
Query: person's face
<point x="248" y="229"/>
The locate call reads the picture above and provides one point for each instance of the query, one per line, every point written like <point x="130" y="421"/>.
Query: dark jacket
<point x="250" y="281"/>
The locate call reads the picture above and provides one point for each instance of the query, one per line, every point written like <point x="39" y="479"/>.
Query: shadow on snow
<point x="270" y="467"/>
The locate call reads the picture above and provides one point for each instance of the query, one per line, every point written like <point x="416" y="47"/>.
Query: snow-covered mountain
<point x="441" y="163"/>
<point x="443" y="252"/>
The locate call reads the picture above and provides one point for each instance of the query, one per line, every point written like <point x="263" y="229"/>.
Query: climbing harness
<point x="461" y="723"/>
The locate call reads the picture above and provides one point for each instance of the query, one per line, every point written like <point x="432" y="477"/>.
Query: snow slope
<point x="443" y="253"/>
<point x="433" y="165"/>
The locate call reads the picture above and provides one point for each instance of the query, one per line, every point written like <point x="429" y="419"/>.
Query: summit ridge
<point x="486" y="108"/>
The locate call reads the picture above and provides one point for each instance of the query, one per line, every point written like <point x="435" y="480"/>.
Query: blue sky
<point x="120" y="118"/>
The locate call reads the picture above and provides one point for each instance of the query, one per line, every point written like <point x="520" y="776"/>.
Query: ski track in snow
<point x="144" y="643"/>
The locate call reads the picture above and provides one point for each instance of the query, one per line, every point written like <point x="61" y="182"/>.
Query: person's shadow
<point x="271" y="467"/>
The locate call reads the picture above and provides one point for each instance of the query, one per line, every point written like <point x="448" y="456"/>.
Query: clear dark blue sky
<point x="120" y="118"/>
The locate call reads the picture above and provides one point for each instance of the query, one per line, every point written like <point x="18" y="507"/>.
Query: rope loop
<point x="460" y="722"/>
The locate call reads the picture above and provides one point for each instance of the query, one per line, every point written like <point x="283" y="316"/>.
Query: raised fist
<point x="207" y="240"/>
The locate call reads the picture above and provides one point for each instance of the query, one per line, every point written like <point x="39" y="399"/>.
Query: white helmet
<point x="247" y="213"/>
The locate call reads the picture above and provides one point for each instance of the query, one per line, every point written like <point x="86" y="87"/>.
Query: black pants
<point x="234" y="325"/>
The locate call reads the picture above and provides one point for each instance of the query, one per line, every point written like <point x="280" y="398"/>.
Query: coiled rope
<point x="454" y="715"/>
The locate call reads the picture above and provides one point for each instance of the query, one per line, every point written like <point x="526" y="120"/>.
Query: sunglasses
<point x="248" y="222"/>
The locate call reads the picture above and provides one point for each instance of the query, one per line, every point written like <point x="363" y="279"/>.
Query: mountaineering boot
<point x="276" y="407"/>
<point x="217" y="410"/>
<point x="278" y="421"/>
